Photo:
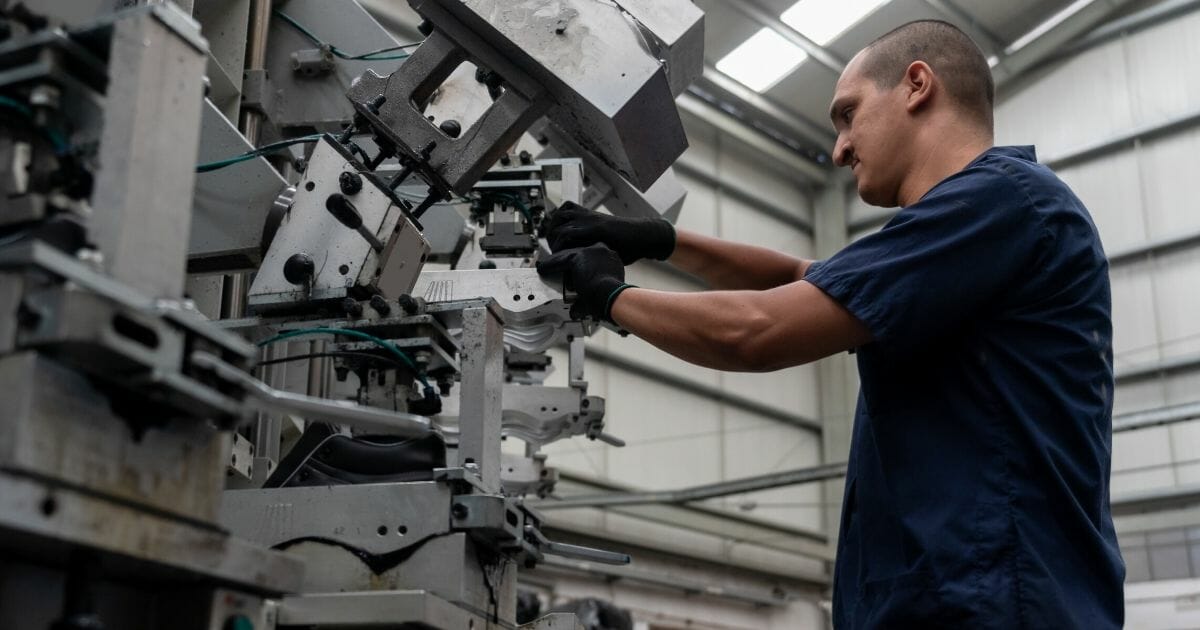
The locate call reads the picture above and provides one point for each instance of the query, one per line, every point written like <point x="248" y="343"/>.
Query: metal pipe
<point x="1156" y="417"/>
<point x="262" y="397"/>
<point x="233" y="288"/>
<point x="697" y="493"/>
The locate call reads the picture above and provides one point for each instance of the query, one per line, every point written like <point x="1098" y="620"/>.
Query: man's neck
<point x="945" y="155"/>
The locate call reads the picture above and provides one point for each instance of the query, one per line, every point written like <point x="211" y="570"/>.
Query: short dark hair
<point x="953" y="56"/>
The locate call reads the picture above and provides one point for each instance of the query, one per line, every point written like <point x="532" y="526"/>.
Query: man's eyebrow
<point x="834" y="107"/>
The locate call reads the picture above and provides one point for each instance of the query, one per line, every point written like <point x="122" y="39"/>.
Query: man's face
<point x="872" y="127"/>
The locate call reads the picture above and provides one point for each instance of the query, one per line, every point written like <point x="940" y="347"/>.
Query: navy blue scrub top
<point x="977" y="491"/>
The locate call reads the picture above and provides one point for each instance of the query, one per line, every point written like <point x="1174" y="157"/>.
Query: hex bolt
<point x="526" y="157"/>
<point x="352" y="307"/>
<point x="505" y="159"/>
<point x="380" y="305"/>
<point x="459" y="511"/>
<point x="350" y="183"/>
<point x="409" y="304"/>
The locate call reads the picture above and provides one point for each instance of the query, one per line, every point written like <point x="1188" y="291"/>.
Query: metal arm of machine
<point x="265" y="398"/>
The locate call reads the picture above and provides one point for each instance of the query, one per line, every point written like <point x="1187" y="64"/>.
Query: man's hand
<point x="573" y="226"/>
<point x="594" y="273"/>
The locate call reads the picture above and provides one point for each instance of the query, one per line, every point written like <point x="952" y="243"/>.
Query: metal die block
<point x="46" y="521"/>
<point x="375" y="518"/>
<point x="539" y="415"/>
<point x="524" y="476"/>
<point x="416" y="608"/>
<point x="57" y="425"/>
<point x="343" y="261"/>
<point x="609" y="93"/>
<point x="451" y="163"/>
<point x="490" y="518"/>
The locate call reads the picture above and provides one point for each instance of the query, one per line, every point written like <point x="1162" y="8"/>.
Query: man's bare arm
<point x="749" y="331"/>
<point x="729" y="265"/>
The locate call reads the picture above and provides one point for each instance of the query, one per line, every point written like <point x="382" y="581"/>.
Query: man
<point x="977" y="489"/>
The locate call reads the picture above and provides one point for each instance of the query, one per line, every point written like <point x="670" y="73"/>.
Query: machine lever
<point x="344" y="211"/>
<point x="262" y="397"/>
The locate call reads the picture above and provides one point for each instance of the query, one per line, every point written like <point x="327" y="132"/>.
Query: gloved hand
<point x="594" y="273"/>
<point x="573" y="226"/>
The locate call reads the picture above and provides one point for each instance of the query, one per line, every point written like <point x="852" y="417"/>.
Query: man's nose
<point x="843" y="153"/>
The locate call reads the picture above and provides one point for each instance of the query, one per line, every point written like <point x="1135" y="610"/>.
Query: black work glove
<point x="573" y="226"/>
<point x="594" y="273"/>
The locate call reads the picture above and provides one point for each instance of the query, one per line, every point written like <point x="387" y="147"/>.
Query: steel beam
<point x="1015" y="61"/>
<point x="737" y="129"/>
<point x="1156" y="417"/>
<point x="612" y="359"/>
<point x="1141" y="20"/>
<point x="1156" y="247"/>
<point x="1158" y="499"/>
<point x="1122" y="141"/>
<point x="673" y="581"/>
<point x="758" y="13"/>
<point x="1160" y="368"/>
<point x="989" y="41"/>
<point x="783" y="119"/>
<point x="698" y="493"/>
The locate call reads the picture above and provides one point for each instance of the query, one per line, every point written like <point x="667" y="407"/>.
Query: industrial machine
<point x="268" y="305"/>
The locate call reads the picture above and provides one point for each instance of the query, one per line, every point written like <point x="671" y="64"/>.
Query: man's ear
<point x="919" y="85"/>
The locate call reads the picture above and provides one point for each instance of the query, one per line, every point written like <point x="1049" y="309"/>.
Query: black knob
<point x="380" y="305"/>
<point x="350" y="183"/>
<point x="299" y="268"/>
<point x="487" y="264"/>
<point x="344" y="211"/>
<point x="451" y="128"/>
<point x="425" y="28"/>
<point x="352" y="307"/>
<point x="408" y="303"/>
<point x="526" y="158"/>
<point x="505" y="159"/>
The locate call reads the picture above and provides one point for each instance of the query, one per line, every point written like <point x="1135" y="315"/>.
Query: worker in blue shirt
<point x="977" y="492"/>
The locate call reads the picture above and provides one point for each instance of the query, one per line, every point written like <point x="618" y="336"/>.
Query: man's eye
<point x="847" y="114"/>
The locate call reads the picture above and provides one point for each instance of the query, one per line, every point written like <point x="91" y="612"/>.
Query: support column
<point x="482" y="363"/>
<point x="837" y="375"/>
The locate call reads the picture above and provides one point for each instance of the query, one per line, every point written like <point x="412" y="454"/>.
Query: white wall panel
<point x="1135" y="328"/>
<point x="702" y="145"/>
<point x="1139" y="396"/>
<point x="699" y="212"/>
<point x="1161" y="61"/>
<point x="1168" y="168"/>
<point x="1076" y="103"/>
<point x="1111" y="190"/>
<point x="741" y="223"/>
<point x="755" y="447"/>
<point x="743" y="168"/>
<point x="673" y="437"/>
<point x="1177" y="289"/>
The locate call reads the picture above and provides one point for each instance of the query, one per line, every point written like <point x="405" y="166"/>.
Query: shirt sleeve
<point x="941" y="263"/>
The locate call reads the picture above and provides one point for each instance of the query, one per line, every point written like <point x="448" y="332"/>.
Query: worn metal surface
<point x="405" y="513"/>
<point x="534" y="311"/>
<point x="608" y="92"/>
<point x="345" y="261"/>
<point x="148" y="148"/>
<point x="374" y="609"/>
<point x="58" y="426"/>
<point x="539" y="415"/>
<point x="480" y="406"/>
<point x="52" y="519"/>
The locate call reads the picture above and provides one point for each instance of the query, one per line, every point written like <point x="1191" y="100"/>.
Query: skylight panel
<point x="762" y="60"/>
<point x="823" y="20"/>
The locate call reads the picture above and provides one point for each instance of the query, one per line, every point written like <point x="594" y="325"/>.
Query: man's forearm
<point x="747" y="331"/>
<point x="728" y="265"/>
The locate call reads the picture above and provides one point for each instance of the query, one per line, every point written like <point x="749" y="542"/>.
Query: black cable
<point x="335" y="353"/>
